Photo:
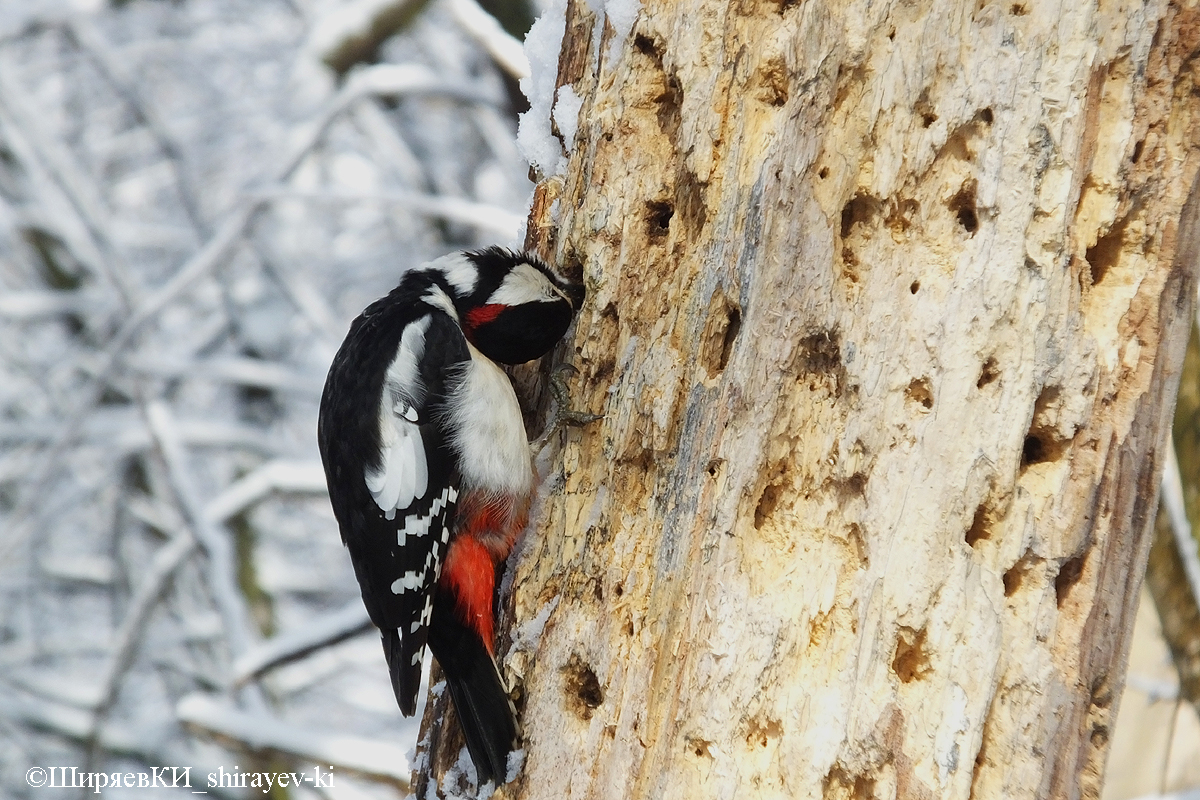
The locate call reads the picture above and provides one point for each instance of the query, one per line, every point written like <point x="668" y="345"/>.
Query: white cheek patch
<point x="525" y="284"/>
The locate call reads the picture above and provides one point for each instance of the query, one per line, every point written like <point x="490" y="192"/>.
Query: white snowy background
<point x="192" y="209"/>
<point x="193" y="206"/>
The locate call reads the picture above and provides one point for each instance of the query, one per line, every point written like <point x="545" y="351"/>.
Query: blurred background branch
<point x="195" y="199"/>
<point x="1173" y="572"/>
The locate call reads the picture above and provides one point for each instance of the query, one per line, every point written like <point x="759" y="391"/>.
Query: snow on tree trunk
<point x="887" y="303"/>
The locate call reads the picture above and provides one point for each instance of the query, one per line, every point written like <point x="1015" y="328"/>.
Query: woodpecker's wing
<point x="415" y="490"/>
<point x="396" y="496"/>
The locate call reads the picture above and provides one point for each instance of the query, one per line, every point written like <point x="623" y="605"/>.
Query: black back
<point x="349" y="439"/>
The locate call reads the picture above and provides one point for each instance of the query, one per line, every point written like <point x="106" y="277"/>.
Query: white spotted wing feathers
<point x="403" y="474"/>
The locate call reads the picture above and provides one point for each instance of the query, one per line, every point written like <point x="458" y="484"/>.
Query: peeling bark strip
<point x="886" y="309"/>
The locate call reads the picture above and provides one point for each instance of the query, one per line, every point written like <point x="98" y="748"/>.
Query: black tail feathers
<point x="406" y="675"/>
<point x="487" y="717"/>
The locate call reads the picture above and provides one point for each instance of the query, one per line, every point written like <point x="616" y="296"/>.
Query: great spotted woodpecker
<point x="429" y="468"/>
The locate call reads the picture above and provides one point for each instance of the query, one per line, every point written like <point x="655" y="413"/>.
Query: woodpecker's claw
<point x="561" y="413"/>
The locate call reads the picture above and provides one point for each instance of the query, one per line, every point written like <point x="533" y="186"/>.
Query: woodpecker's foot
<point x="561" y="412"/>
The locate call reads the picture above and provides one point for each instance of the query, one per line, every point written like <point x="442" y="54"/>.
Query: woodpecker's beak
<point x="574" y="293"/>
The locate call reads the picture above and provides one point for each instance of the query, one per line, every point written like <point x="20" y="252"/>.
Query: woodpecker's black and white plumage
<point x="429" y="467"/>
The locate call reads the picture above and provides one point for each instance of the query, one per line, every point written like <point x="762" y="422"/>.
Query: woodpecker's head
<point x="512" y="307"/>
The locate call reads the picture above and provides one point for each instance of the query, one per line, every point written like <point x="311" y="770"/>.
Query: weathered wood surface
<point x="887" y="306"/>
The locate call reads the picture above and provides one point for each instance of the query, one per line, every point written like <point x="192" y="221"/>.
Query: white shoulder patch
<point x="402" y="375"/>
<point x="525" y="284"/>
<point x="437" y="298"/>
<point x="403" y="474"/>
<point x="459" y="271"/>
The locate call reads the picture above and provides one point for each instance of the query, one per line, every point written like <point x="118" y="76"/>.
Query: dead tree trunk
<point x="887" y="306"/>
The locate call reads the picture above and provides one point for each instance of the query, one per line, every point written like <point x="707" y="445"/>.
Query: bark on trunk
<point x="887" y="305"/>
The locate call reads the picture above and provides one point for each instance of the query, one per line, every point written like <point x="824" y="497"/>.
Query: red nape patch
<point x="470" y="575"/>
<point x="483" y="315"/>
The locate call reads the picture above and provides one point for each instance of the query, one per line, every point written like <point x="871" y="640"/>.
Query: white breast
<point x="487" y="430"/>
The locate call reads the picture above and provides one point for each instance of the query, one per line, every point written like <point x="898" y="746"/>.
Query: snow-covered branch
<point x="261" y="732"/>
<point x="1181" y="529"/>
<point x="483" y="28"/>
<point x="274" y="476"/>
<point x="285" y="648"/>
